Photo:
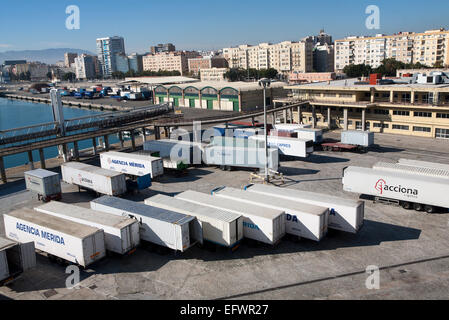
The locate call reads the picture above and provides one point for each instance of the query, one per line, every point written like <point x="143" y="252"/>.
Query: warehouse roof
<point x="220" y="85"/>
<point x="162" y="80"/>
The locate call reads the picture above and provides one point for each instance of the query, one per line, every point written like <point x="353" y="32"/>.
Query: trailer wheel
<point x="406" y="205"/>
<point x="418" y="207"/>
<point x="429" y="209"/>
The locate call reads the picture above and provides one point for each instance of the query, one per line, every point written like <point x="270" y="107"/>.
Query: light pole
<point x="265" y="82"/>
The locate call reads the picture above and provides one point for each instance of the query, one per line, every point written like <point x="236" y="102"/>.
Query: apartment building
<point x="85" y="67"/>
<point x="69" y="59"/>
<point x="107" y="50"/>
<point x="162" y="47"/>
<point x="419" y="109"/>
<point x="285" y="57"/>
<point x="428" y="48"/>
<point x="198" y="64"/>
<point x="213" y="74"/>
<point x="168" y="61"/>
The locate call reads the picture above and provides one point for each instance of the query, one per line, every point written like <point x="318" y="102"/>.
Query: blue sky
<point x="205" y="24"/>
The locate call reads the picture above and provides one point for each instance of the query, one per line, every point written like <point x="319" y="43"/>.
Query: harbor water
<point x="18" y="113"/>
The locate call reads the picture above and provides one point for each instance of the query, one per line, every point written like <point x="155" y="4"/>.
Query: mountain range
<point x="49" y="56"/>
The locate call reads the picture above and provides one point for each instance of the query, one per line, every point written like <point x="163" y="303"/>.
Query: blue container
<point x="144" y="182"/>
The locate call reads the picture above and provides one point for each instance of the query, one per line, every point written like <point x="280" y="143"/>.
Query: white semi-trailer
<point x="292" y="147"/>
<point x="393" y="167"/>
<point x="410" y="190"/>
<point x="302" y="220"/>
<point x="121" y="234"/>
<point x="59" y="238"/>
<point x="90" y="177"/>
<point x="162" y="227"/>
<point x="259" y="223"/>
<point x="46" y="184"/>
<point x="424" y="164"/>
<point x="344" y="215"/>
<point x="15" y="258"/>
<point x="316" y="135"/>
<point x="132" y="164"/>
<point x="220" y="227"/>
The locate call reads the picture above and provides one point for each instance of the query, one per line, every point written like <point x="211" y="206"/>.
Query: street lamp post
<point x="265" y="83"/>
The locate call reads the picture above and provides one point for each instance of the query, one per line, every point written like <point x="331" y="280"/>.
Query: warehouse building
<point x="228" y="96"/>
<point x="406" y="106"/>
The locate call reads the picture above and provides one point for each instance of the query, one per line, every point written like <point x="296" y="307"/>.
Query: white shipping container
<point x="121" y="234"/>
<point x="293" y="147"/>
<point x="316" y="135"/>
<point x="303" y="220"/>
<point x="393" y="167"/>
<point x="344" y="215"/>
<point x="132" y="164"/>
<point x="241" y="157"/>
<point x="358" y="138"/>
<point x="423" y="164"/>
<point x="103" y="181"/>
<point x="400" y="186"/>
<point x="162" y="227"/>
<point x="15" y="258"/>
<point x="259" y="223"/>
<point x="44" y="182"/>
<point x="71" y="241"/>
<point x="219" y="226"/>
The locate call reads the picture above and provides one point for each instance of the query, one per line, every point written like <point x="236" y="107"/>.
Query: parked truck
<point x="121" y="234"/>
<point x="409" y="190"/>
<point x="15" y="258"/>
<point x="46" y="184"/>
<point x="302" y="220"/>
<point x="220" y="227"/>
<point x="158" y="226"/>
<point x="292" y="147"/>
<point x="259" y="223"/>
<point x="61" y="239"/>
<point x="344" y="215"/>
<point x="351" y="140"/>
<point x="93" y="178"/>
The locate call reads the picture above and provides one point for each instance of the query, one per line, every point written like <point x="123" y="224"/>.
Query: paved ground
<point x="412" y="249"/>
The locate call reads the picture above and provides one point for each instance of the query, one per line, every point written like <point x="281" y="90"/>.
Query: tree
<point x="49" y="75"/>
<point x="118" y="75"/>
<point x="357" y="70"/>
<point x="69" y="76"/>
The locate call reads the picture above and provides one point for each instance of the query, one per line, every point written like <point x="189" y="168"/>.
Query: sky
<point x="205" y="24"/>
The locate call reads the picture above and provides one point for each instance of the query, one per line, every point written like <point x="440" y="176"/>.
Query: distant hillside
<point x="48" y="56"/>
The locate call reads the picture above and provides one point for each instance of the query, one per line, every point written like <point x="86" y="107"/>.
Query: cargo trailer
<point x="236" y="142"/>
<point x="259" y="223"/>
<point x="241" y="157"/>
<point x="393" y="167"/>
<point x="162" y="227"/>
<point x="61" y="238"/>
<point x="121" y="234"/>
<point x="410" y="190"/>
<point x="15" y="258"/>
<point x="357" y="138"/>
<point x="100" y="180"/>
<point x="220" y="227"/>
<point x="291" y="127"/>
<point x="316" y="135"/>
<point x="132" y="164"/>
<point x="302" y="220"/>
<point x="344" y="215"/>
<point x="292" y="147"/>
<point x="167" y="163"/>
<point x="46" y="184"/>
<point x="184" y="151"/>
<point x="423" y="164"/>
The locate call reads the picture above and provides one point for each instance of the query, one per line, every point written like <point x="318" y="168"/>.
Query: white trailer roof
<point x="144" y="210"/>
<point x="230" y="205"/>
<point x="189" y="207"/>
<point x="434" y="172"/>
<point x="73" y="211"/>
<point x="58" y="224"/>
<point x="424" y="164"/>
<point x="312" y="196"/>
<point x="284" y="204"/>
<point x="41" y="173"/>
<point x="92" y="169"/>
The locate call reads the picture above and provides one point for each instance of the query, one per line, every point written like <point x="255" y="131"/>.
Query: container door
<point x="126" y="239"/>
<point x="210" y="104"/>
<point x="192" y="103"/>
<point x="28" y="254"/>
<point x="4" y="271"/>
<point x="14" y="260"/>
<point x="235" y="106"/>
<point x="196" y="231"/>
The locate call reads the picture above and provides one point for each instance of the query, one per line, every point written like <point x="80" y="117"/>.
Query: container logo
<point x="85" y="180"/>
<point x="40" y="233"/>
<point x="382" y="186"/>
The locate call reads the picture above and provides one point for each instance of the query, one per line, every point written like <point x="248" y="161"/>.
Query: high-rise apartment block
<point x="429" y="48"/>
<point x="168" y="61"/>
<point x="85" y="67"/>
<point x="284" y="57"/>
<point x="108" y="49"/>
<point x="69" y="59"/>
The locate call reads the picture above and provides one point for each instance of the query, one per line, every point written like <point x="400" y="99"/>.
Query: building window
<point x="358" y="125"/>
<point x="381" y="111"/>
<point x="442" y="133"/>
<point x="400" y="127"/>
<point x="423" y="114"/>
<point x="401" y="113"/>
<point x="443" y="115"/>
<point x="406" y="97"/>
<point x="421" y="129"/>
<point x="381" y="125"/>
